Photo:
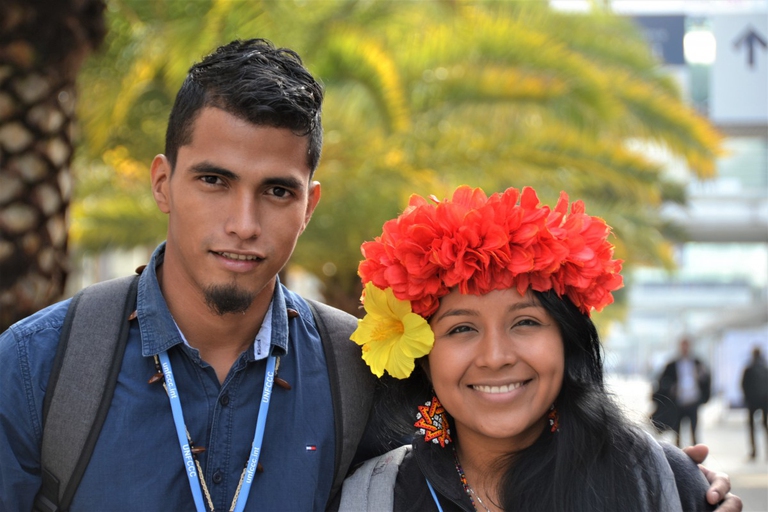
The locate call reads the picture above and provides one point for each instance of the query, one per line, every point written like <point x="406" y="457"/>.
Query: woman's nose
<point x="496" y="350"/>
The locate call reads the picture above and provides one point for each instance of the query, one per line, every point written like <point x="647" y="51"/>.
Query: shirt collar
<point x="261" y="344"/>
<point x="159" y="331"/>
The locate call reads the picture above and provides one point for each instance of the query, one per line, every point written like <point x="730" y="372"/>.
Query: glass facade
<point x="718" y="294"/>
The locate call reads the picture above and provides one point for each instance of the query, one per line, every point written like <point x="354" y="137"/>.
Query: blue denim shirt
<point x="137" y="463"/>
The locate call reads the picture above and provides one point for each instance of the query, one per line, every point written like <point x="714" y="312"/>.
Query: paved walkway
<point x="723" y="430"/>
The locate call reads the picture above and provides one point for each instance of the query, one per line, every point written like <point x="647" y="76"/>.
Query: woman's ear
<point x="424" y="363"/>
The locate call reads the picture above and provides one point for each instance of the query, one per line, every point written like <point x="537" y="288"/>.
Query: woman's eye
<point x="460" y="329"/>
<point x="527" y="322"/>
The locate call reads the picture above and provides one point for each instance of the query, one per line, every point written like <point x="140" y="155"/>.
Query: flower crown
<point x="477" y="244"/>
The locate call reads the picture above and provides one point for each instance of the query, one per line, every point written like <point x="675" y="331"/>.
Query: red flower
<point x="479" y="244"/>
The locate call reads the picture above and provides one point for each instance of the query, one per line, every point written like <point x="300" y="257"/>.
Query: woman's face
<point x="497" y="364"/>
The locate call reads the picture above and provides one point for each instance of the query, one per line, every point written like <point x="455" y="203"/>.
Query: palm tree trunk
<point x="42" y="46"/>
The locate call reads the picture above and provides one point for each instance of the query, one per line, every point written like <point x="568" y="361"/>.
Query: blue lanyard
<point x="181" y="433"/>
<point x="434" y="496"/>
<point x="258" y="435"/>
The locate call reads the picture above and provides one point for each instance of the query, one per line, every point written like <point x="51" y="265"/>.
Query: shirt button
<point x="224" y="400"/>
<point x="217" y="477"/>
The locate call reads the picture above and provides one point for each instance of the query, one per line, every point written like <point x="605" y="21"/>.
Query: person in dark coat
<point x="754" y="383"/>
<point x="684" y="385"/>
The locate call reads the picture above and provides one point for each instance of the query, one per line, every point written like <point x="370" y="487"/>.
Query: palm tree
<point x="498" y="95"/>
<point x="42" y="46"/>
<point x="421" y="96"/>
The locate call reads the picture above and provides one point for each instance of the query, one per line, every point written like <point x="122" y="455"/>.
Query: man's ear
<point x="161" y="177"/>
<point x="313" y="197"/>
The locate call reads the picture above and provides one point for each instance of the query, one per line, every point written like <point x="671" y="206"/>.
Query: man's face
<point x="237" y="202"/>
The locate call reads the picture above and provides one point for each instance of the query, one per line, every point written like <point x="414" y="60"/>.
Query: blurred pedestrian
<point x="686" y="381"/>
<point x="754" y="383"/>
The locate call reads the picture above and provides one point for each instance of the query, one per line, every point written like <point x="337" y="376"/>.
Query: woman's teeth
<point x="498" y="389"/>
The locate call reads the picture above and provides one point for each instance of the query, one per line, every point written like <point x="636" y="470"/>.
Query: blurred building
<point x="718" y="51"/>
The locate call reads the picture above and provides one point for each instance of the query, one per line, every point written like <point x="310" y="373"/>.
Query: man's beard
<point x="223" y="299"/>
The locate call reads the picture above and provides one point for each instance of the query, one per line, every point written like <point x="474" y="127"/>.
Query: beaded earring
<point x="554" y="419"/>
<point x="433" y="423"/>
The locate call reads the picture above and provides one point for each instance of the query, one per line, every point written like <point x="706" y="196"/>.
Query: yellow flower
<point x="392" y="336"/>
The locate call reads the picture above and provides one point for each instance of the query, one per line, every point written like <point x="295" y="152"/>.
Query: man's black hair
<point x="257" y="82"/>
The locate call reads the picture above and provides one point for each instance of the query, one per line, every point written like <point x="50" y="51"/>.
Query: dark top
<point x="667" y="385"/>
<point x="754" y="383"/>
<point x="429" y="461"/>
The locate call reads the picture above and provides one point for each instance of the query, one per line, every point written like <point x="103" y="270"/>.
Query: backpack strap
<point x="352" y="399"/>
<point x="81" y="386"/>
<point x="372" y="486"/>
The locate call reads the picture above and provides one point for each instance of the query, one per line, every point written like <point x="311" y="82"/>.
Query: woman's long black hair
<point x="596" y="461"/>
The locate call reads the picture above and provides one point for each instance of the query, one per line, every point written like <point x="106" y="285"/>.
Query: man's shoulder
<point x="670" y="367"/>
<point x="302" y="305"/>
<point x="757" y="372"/>
<point x="30" y="344"/>
<point x="47" y="320"/>
<point x="46" y="323"/>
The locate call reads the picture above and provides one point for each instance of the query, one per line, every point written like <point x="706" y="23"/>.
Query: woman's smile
<point x="497" y="389"/>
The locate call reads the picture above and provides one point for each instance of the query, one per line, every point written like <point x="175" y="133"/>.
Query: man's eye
<point x="211" y="180"/>
<point x="280" y="192"/>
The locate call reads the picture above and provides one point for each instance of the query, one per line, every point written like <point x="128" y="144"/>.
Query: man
<point x="687" y="382"/>
<point x="243" y="141"/>
<point x="754" y="383"/>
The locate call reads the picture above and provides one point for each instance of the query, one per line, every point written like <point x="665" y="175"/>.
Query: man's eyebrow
<point x="209" y="168"/>
<point x="288" y="182"/>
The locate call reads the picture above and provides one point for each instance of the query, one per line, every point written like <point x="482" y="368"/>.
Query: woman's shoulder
<point x="373" y="482"/>
<point x="689" y="480"/>
<point x="394" y="481"/>
<point x="680" y="478"/>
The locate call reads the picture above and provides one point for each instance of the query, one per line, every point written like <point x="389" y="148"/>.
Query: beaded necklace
<point x="467" y="488"/>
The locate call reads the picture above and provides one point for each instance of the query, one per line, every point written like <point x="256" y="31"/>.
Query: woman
<point x="481" y="306"/>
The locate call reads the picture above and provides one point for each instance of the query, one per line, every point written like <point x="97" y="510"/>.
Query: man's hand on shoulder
<point x="719" y="483"/>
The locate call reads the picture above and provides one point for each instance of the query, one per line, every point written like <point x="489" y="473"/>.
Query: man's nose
<point x="243" y="219"/>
